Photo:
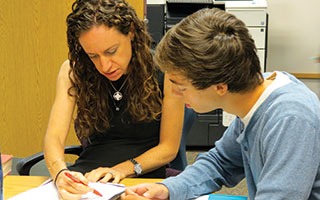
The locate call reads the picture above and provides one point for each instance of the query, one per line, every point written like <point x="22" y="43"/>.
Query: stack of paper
<point x="48" y="191"/>
<point x="6" y="162"/>
<point x="1" y="181"/>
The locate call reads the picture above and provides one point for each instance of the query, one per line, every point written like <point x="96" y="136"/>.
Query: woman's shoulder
<point x="65" y="66"/>
<point x="64" y="70"/>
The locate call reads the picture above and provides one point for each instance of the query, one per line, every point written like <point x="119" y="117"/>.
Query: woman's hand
<point x="68" y="189"/>
<point x="105" y="174"/>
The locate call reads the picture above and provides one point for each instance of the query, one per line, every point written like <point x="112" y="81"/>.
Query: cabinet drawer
<point x="259" y="36"/>
<point x="251" y="17"/>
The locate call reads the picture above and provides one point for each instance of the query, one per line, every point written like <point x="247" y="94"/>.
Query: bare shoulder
<point x="63" y="76"/>
<point x="64" y="71"/>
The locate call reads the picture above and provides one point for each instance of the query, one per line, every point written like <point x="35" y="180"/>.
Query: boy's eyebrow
<point x="175" y="82"/>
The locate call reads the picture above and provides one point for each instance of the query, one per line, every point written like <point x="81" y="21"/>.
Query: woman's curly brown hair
<point x="90" y="87"/>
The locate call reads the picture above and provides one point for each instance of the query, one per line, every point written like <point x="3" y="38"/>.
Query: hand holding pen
<point x="70" y="189"/>
<point x="74" y="179"/>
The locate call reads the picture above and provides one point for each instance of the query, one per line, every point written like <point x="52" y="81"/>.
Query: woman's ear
<point x="221" y="89"/>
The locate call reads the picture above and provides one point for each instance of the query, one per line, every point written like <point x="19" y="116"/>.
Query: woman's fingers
<point x="70" y="189"/>
<point x="104" y="175"/>
<point x="64" y="194"/>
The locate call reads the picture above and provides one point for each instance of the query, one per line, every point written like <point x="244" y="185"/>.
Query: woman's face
<point x="109" y="50"/>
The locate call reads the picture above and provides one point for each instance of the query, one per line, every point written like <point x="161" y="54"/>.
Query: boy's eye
<point x="93" y="56"/>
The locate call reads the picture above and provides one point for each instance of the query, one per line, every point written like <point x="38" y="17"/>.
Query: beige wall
<point x="33" y="46"/>
<point x="294" y="38"/>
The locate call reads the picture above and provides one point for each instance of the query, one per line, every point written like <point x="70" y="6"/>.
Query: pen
<point x="78" y="181"/>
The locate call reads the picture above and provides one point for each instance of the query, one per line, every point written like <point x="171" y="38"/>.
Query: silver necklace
<point x="117" y="95"/>
<point x="114" y="103"/>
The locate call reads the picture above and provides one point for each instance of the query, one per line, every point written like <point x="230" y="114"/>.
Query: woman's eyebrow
<point x="108" y="49"/>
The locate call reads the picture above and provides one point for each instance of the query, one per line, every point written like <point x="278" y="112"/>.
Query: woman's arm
<point x="57" y="131"/>
<point x="164" y="152"/>
<point x="59" y="123"/>
<point x="170" y="132"/>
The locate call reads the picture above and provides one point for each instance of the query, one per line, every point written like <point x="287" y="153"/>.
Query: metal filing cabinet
<point x="254" y="15"/>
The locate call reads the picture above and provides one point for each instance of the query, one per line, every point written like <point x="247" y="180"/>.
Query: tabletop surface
<point x="13" y="185"/>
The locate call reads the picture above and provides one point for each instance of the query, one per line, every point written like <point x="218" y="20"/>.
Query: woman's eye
<point x="112" y="51"/>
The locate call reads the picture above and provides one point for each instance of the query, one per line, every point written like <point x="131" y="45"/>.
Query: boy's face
<point x="201" y="101"/>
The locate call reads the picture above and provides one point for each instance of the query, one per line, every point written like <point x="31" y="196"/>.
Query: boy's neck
<point x="241" y="103"/>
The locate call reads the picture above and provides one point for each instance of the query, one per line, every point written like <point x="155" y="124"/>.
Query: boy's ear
<point x="221" y="89"/>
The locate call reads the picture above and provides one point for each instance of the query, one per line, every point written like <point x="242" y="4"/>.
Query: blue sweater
<point x="278" y="152"/>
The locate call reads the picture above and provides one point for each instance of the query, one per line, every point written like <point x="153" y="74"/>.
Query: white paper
<point x="48" y="191"/>
<point x="204" y="197"/>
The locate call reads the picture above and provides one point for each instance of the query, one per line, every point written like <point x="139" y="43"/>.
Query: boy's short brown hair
<point x="210" y="47"/>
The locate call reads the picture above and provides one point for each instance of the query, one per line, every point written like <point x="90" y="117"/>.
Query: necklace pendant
<point x="117" y="96"/>
<point x="117" y="108"/>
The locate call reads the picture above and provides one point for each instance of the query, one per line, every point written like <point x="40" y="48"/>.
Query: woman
<point x="111" y="79"/>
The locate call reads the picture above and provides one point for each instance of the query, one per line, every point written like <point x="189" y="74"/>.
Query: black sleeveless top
<point x="122" y="141"/>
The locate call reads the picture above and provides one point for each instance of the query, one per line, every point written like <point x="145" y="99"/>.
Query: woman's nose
<point x="106" y="64"/>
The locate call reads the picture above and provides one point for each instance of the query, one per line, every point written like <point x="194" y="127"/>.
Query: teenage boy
<point x="275" y="140"/>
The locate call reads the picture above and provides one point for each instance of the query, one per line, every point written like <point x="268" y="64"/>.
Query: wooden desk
<point x="13" y="185"/>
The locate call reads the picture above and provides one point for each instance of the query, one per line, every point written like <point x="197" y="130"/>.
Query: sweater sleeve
<point x="290" y="153"/>
<point x="222" y="165"/>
